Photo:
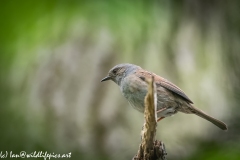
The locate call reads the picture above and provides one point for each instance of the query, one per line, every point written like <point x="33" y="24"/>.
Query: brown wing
<point x="170" y="86"/>
<point x="164" y="83"/>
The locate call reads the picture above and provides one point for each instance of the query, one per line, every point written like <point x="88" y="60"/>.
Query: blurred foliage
<point x="54" y="53"/>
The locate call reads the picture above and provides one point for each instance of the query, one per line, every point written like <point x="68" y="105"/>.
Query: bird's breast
<point x="134" y="90"/>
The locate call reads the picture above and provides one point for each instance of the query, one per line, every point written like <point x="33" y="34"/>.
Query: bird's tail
<point x="218" y="123"/>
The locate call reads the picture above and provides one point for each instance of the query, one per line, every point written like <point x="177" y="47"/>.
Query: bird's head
<point x="119" y="72"/>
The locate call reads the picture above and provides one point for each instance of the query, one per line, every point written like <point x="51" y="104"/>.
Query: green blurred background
<point x="53" y="55"/>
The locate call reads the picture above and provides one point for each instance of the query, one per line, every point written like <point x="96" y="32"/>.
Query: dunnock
<point x="170" y="99"/>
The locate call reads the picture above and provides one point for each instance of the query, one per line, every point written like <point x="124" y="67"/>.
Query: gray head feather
<point x="120" y="71"/>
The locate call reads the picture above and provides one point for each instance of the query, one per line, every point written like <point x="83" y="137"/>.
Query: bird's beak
<point x="106" y="78"/>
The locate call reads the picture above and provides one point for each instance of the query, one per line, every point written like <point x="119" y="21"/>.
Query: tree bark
<point x="150" y="149"/>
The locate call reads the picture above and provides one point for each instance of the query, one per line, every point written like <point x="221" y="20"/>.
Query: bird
<point x="132" y="80"/>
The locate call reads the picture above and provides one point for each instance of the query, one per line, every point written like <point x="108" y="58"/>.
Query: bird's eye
<point x="115" y="71"/>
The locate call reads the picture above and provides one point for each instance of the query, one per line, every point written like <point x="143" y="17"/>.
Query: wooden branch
<point x="150" y="149"/>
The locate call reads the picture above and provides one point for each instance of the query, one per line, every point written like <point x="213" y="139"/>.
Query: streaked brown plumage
<point x="170" y="98"/>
